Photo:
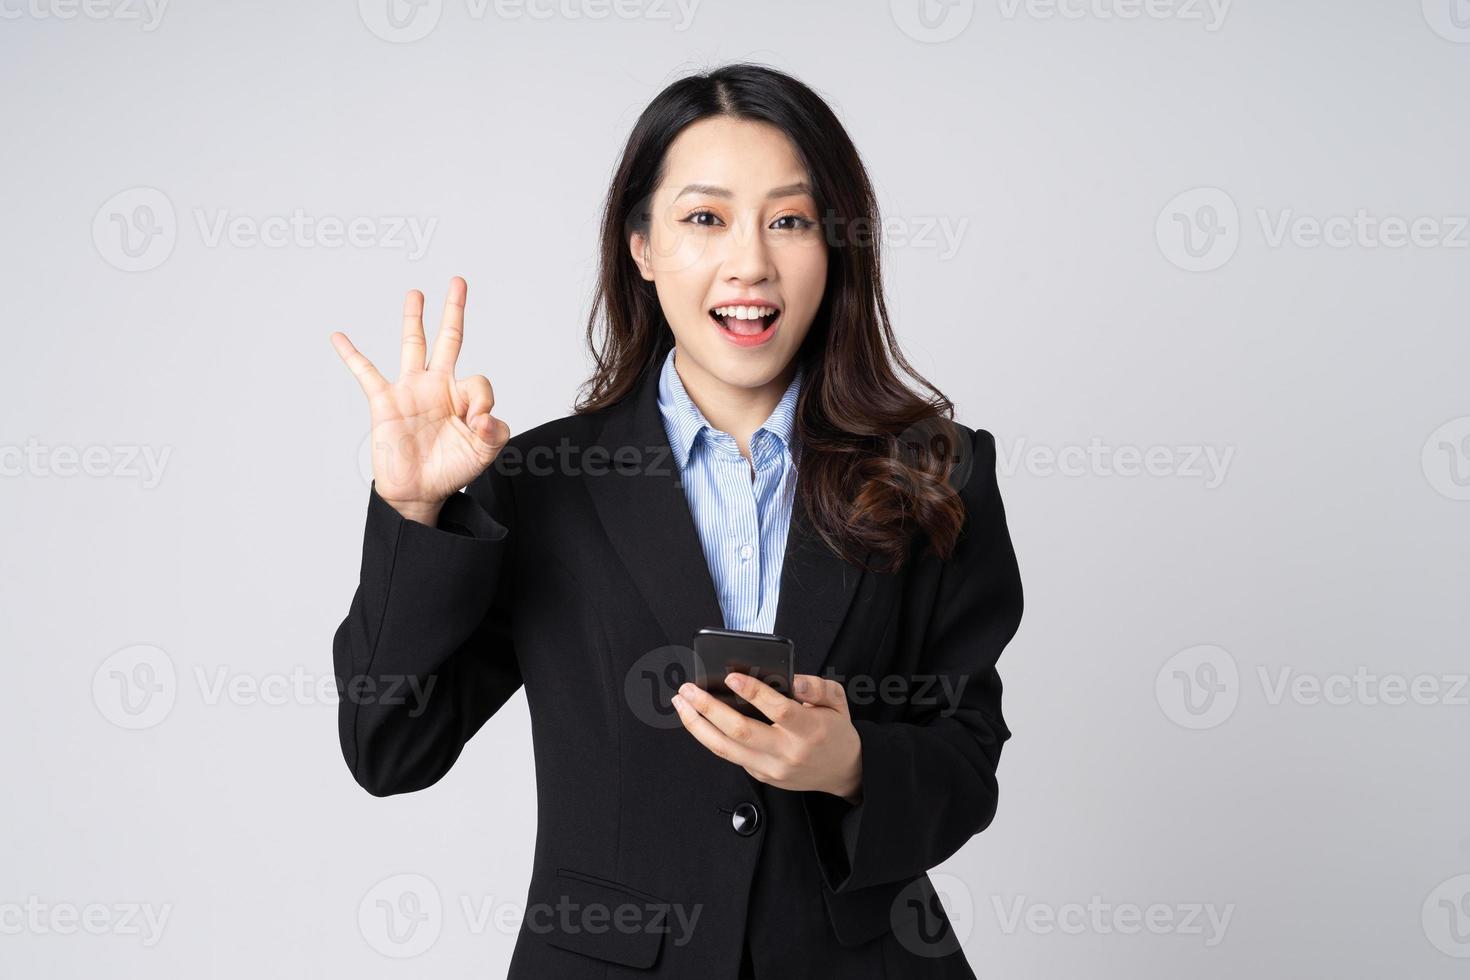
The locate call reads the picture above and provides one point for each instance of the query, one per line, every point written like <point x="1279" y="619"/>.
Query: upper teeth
<point x="745" y="312"/>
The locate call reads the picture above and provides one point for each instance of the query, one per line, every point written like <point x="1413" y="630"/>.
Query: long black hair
<point x="866" y="481"/>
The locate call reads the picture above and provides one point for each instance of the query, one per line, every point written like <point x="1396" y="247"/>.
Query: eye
<point x="692" y="217"/>
<point x="801" y="223"/>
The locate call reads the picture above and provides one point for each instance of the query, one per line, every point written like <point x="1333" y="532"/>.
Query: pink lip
<point x="754" y="340"/>
<point x="746" y="301"/>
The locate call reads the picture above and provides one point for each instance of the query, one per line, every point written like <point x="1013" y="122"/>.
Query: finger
<point x="820" y="691"/>
<point x="771" y="702"/>
<point x="362" y="369"/>
<point x="451" y="328"/>
<point x="415" y="349"/>
<point x="742" y="730"/>
<point x="711" y="737"/>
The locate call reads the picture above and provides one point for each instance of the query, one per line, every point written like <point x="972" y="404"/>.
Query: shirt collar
<point x="683" y="421"/>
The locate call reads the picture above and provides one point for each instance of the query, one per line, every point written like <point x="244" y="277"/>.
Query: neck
<point x="732" y="408"/>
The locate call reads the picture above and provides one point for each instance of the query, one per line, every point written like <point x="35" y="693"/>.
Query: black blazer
<point x="572" y="566"/>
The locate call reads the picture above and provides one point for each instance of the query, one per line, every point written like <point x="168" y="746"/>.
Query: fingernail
<point x="678" y="702"/>
<point x="736" y="681"/>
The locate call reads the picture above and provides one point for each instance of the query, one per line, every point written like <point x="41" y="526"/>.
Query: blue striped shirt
<point x="742" y="518"/>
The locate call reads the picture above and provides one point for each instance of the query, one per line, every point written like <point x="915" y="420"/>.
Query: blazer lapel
<point x="816" y="589"/>
<point x="648" y="522"/>
<point x="647" y="519"/>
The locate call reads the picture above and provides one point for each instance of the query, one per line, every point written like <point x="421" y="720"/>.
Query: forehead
<point x="747" y="156"/>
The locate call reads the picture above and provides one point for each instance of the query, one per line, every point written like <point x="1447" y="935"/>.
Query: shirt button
<point x="745" y="552"/>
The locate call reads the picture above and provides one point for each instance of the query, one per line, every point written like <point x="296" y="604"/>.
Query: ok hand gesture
<point x="431" y="433"/>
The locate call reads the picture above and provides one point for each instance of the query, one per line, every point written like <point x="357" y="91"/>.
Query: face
<point x="734" y="224"/>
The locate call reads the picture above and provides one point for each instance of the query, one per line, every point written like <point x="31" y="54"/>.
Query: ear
<point x="638" y="248"/>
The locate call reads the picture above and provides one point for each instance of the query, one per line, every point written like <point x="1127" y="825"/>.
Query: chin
<point x="747" y="369"/>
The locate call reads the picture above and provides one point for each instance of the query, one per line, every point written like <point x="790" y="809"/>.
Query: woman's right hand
<point x="431" y="433"/>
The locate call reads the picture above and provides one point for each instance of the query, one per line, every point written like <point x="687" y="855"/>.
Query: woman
<point x="745" y="456"/>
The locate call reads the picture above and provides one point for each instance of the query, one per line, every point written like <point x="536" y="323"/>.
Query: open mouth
<point x="746" y="324"/>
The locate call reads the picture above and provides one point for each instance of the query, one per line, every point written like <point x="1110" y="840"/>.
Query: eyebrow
<point x="786" y="190"/>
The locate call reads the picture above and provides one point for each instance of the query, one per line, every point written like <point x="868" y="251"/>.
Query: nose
<point x="747" y="254"/>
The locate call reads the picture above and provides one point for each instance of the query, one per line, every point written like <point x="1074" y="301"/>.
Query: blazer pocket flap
<point x="860" y="916"/>
<point x="599" y="918"/>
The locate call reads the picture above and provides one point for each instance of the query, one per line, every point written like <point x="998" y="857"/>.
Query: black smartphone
<point x="765" y="656"/>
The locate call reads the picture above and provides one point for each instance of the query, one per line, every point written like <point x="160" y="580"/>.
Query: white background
<point x="1054" y="144"/>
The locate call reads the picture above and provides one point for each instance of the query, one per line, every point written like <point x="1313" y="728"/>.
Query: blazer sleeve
<point x="424" y="656"/>
<point x="929" y="779"/>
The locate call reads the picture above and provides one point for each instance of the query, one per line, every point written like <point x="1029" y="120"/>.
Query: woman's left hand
<point x="810" y="744"/>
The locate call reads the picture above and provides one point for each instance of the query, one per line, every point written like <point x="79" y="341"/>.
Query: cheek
<point x="678" y="250"/>
<point x="682" y="281"/>
<point x="678" y="299"/>
<point x="804" y="270"/>
<point x="680" y="257"/>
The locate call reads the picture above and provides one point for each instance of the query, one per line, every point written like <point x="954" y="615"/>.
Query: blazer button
<point x="745" y="818"/>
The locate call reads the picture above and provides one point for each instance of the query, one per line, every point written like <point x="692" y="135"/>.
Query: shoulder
<point x="982" y="442"/>
<point x="974" y="479"/>
<point x="979" y="440"/>
<point x="973" y="455"/>
<point x="983" y="555"/>
<point x="575" y="430"/>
